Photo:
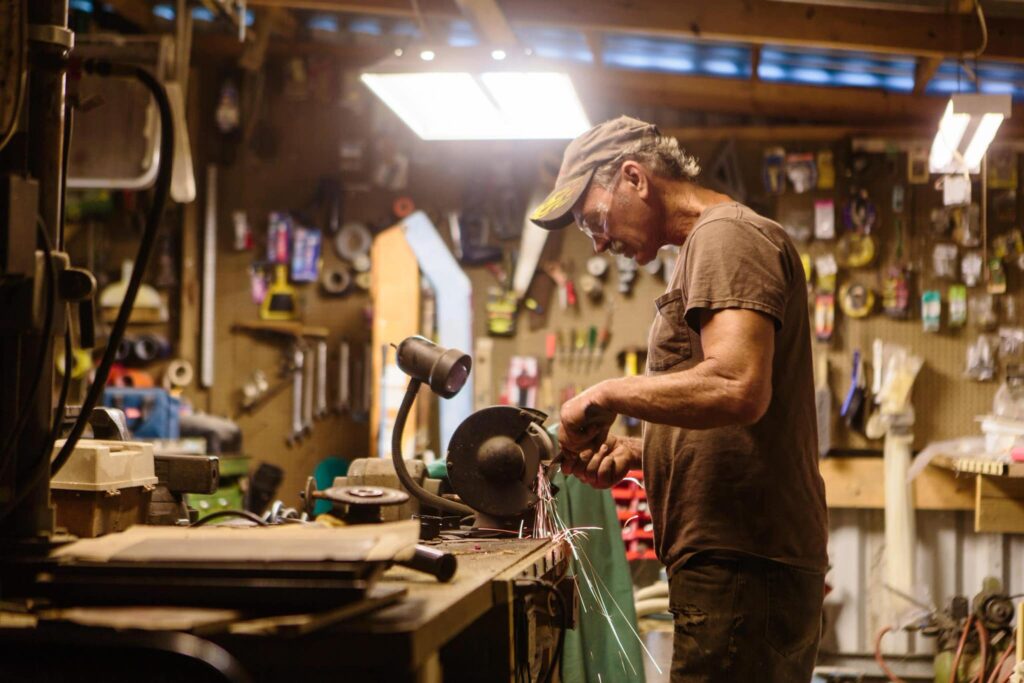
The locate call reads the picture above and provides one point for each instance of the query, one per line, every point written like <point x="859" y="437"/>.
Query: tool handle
<point x="432" y="561"/>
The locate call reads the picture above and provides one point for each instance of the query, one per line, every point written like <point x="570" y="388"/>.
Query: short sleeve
<point x="733" y="264"/>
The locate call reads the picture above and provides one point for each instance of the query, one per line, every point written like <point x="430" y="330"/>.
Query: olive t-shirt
<point x="751" y="489"/>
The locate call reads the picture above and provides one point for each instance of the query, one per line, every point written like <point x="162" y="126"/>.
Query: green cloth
<point x="592" y="648"/>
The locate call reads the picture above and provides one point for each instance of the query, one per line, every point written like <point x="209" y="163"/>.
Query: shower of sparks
<point x="548" y="524"/>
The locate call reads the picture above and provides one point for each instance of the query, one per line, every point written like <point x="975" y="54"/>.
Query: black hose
<point x="6" y="456"/>
<point x="161" y="190"/>
<point x="424" y="496"/>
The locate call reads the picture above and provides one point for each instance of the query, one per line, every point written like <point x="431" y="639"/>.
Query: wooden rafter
<point x="136" y="11"/>
<point x="745" y="21"/>
<point x="489" y="21"/>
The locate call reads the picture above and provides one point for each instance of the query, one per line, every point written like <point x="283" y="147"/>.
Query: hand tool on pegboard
<point x="344" y="402"/>
<point x="308" y="370"/>
<point x="321" y="380"/>
<point x="298" y="359"/>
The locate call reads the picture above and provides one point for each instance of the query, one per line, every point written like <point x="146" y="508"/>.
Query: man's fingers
<point x="607" y="473"/>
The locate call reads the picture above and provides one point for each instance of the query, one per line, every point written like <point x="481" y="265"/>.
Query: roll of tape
<point x="403" y="206"/>
<point x="361" y="264"/>
<point x="179" y="374"/>
<point x="362" y="281"/>
<point x="335" y="281"/>
<point x="150" y="347"/>
<point x="353" y="241"/>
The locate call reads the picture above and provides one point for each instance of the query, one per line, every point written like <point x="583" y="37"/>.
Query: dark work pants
<point x="744" y="620"/>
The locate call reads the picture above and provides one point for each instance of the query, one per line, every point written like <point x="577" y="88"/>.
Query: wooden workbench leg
<point x="430" y="672"/>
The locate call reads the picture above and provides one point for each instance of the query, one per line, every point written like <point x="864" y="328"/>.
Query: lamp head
<point x="444" y="370"/>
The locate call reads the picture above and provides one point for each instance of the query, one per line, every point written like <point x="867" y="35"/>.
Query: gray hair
<point x="661" y="155"/>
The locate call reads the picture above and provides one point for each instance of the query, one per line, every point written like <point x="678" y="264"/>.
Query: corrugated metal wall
<point x="950" y="560"/>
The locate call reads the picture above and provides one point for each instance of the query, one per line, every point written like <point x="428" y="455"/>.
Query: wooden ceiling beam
<point x="489" y="21"/>
<point x="801" y="103"/>
<point x="136" y="11"/>
<point x="745" y="21"/>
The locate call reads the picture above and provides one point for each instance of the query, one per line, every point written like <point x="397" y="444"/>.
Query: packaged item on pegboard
<point x="305" y="261"/>
<point x="279" y="235"/>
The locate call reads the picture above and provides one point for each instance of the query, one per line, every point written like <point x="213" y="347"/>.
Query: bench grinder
<point x="495" y="454"/>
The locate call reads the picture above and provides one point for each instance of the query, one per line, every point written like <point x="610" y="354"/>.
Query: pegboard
<point x="945" y="402"/>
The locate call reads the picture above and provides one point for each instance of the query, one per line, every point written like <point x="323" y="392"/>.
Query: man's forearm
<point x="698" y="398"/>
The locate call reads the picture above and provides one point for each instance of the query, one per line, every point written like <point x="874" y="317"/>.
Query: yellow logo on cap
<point x="554" y="200"/>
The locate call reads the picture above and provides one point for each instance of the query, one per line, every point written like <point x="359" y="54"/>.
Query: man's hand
<point x="607" y="465"/>
<point x="584" y="423"/>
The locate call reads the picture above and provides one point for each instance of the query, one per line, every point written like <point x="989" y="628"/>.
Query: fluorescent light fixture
<point x="966" y="129"/>
<point x="468" y="94"/>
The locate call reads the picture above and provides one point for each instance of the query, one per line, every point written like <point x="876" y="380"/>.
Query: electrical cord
<point x="999" y="663"/>
<point x="50" y="270"/>
<point x="983" y="641"/>
<point x="960" y="648"/>
<point x="160" y="193"/>
<point x="251" y="516"/>
<point x="984" y="30"/>
<point x="556" y="657"/>
<point x="880" y="658"/>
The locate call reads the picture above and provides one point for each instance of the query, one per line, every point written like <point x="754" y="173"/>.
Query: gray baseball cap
<point x="598" y="146"/>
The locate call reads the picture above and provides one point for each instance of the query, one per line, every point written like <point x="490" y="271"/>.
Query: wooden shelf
<point x="287" y="328"/>
<point x="997" y="500"/>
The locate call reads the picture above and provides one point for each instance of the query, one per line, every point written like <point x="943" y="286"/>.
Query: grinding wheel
<point x="494" y="457"/>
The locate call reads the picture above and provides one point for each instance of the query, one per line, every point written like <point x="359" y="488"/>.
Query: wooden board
<point x="857" y="483"/>
<point x="395" y="290"/>
<point x="999" y="504"/>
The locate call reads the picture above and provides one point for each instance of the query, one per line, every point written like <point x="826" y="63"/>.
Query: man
<point x="729" y="447"/>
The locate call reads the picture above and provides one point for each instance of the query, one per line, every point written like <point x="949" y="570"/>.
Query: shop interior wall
<point x="299" y="136"/>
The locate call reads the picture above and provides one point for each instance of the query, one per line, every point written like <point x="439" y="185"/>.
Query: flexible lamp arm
<point x="424" y="496"/>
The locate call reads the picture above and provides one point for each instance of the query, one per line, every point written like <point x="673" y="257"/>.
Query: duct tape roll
<point x="362" y="281"/>
<point x="150" y="347"/>
<point x="353" y="241"/>
<point x="403" y="206"/>
<point x="335" y="281"/>
<point x="361" y="264"/>
<point x="179" y="374"/>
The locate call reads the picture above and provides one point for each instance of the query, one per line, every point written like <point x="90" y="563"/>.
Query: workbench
<point x="463" y="630"/>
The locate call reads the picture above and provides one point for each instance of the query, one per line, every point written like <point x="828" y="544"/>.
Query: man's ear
<point x="636" y="175"/>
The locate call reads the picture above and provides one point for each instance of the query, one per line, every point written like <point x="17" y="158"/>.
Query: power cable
<point x="161" y="190"/>
<point x="251" y="516"/>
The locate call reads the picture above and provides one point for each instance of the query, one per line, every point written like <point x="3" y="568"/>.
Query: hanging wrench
<point x="307" y="390"/>
<point x="297" y="361"/>
<point x="344" y="395"/>
<point x="321" y="379"/>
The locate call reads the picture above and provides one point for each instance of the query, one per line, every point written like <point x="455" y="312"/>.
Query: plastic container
<point x="1002" y="434"/>
<point x="105" y="486"/>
